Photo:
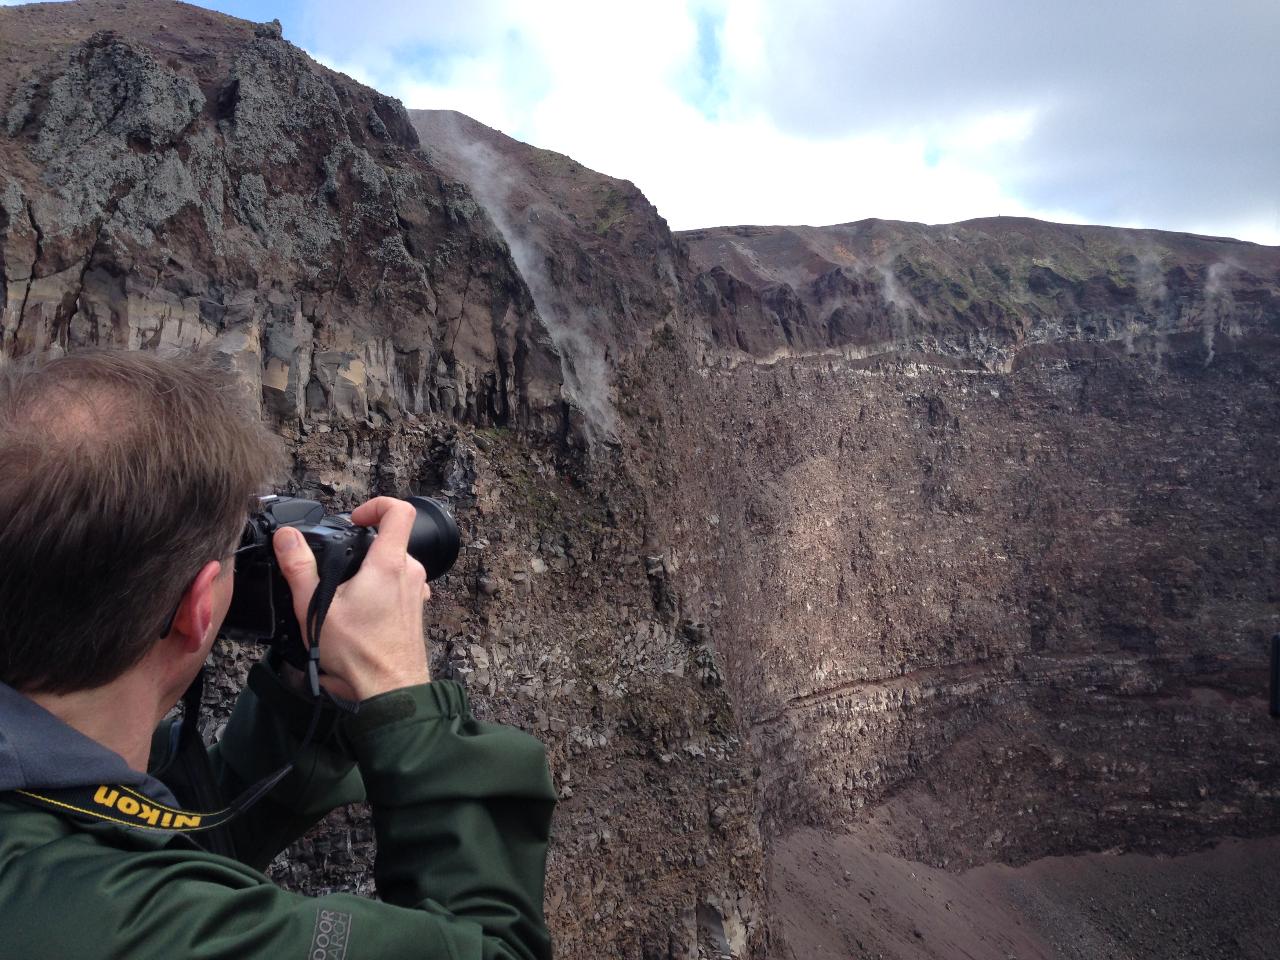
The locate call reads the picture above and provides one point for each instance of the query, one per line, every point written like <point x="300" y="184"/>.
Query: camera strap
<point x="317" y="610"/>
<point x="126" y="806"/>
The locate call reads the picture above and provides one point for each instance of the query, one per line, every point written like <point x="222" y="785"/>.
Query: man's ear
<point x="195" y="610"/>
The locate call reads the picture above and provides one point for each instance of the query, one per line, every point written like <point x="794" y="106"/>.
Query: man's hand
<point x="371" y="641"/>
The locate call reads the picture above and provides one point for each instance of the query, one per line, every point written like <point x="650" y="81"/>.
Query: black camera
<point x="262" y="604"/>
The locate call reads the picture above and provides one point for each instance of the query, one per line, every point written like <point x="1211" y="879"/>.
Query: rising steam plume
<point x="491" y="178"/>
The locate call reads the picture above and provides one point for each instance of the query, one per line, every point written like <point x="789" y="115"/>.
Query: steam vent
<point x="879" y="590"/>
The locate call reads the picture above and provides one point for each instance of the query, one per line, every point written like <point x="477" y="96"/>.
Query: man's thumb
<point x="297" y="562"/>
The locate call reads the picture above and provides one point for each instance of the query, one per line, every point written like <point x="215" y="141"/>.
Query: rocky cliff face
<point x="600" y="263"/>
<point x="984" y="528"/>
<point x="173" y="177"/>
<point x="963" y="531"/>
<point x="996" y="293"/>
<point x="1023" y="614"/>
<point x="997" y="582"/>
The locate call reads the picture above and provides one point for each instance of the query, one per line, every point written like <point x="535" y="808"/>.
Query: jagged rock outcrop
<point x="995" y="293"/>
<point x="600" y="262"/>
<point x="202" y="180"/>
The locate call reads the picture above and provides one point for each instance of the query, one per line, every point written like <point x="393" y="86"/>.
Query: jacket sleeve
<point x="462" y="812"/>
<point x="265" y="731"/>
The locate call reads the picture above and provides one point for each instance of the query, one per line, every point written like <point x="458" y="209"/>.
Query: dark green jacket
<point x="461" y="812"/>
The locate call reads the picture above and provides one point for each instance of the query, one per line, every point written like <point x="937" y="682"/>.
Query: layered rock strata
<point x="990" y="539"/>
<point x="994" y="293"/>
<point x="1024" y="613"/>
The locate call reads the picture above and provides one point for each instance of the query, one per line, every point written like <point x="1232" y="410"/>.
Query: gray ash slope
<point x="963" y="532"/>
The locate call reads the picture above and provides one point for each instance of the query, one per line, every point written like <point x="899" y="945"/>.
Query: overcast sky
<point x="1157" y="113"/>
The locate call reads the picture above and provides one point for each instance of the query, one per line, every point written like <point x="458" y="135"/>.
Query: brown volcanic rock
<point x="963" y="532"/>
<point x="1014" y="600"/>
<point x="600" y="262"/>
<point x="173" y="176"/>
<point x="995" y="291"/>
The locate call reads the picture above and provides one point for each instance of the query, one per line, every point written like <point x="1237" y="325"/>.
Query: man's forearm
<point x="462" y="811"/>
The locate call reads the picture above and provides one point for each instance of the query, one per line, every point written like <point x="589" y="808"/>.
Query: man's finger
<point x="298" y="564"/>
<point x="394" y="520"/>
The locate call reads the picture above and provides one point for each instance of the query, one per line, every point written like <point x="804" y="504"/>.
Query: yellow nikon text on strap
<point x="127" y="807"/>
<point x="166" y="818"/>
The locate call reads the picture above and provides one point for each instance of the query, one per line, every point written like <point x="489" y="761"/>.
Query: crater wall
<point x="968" y="531"/>
<point x="1015" y="601"/>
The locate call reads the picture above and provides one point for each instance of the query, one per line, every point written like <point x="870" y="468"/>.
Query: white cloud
<point x="780" y="126"/>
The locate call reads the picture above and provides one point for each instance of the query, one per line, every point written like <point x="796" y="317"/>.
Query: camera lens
<point x="434" y="541"/>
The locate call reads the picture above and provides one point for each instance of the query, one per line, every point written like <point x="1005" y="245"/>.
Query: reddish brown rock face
<point x="961" y="537"/>
<point x="1004" y="606"/>
<point x="174" y="177"/>
<point x="994" y="293"/>
<point x="1000" y="591"/>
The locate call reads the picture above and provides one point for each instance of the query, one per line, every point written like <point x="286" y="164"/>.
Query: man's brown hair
<point x="121" y="474"/>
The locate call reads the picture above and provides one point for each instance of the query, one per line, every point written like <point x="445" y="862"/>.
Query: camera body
<point x="262" y="605"/>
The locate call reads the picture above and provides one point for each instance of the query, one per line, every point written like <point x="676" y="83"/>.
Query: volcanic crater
<point x="878" y="589"/>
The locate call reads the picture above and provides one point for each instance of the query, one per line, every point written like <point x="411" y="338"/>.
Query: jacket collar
<point x="38" y="750"/>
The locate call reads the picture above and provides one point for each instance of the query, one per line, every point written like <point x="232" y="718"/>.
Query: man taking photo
<point x="125" y="480"/>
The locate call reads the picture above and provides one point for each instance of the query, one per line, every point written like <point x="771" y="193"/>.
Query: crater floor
<point x="850" y="895"/>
